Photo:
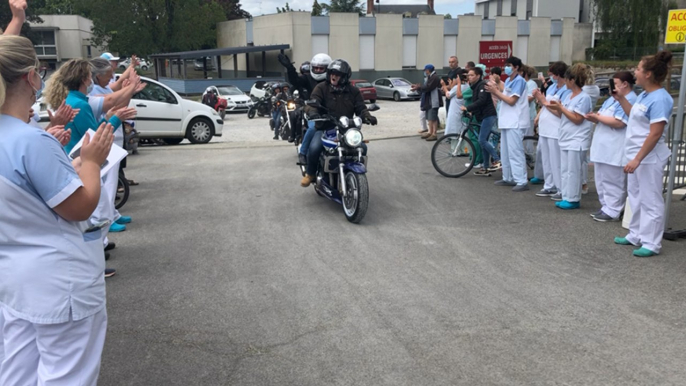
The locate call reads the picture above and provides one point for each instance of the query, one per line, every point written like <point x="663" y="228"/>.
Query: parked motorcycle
<point x="342" y="172"/>
<point x="218" y="104"/>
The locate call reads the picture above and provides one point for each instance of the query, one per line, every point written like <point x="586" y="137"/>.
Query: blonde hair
<point x="591" y="75"/>
<point x="67" y="78"/>
<point x="17" y="58"/>
<point x="578" y="73"/>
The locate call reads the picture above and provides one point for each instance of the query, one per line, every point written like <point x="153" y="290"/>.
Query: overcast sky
<point x="263" y="7"/>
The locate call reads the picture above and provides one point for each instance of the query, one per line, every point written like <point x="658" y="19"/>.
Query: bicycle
<point x="454" y="155"/>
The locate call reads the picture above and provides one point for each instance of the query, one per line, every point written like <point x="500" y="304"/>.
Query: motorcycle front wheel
<point x="356" y="200"/>
<point x="122" y="192"/>
<point x="251" y="113"/>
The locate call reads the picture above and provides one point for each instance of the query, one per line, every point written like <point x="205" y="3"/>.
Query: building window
<point x="88" y="51"/>
<point x="367" y="52"/>
<point x="487" y="7"/>
<point x="499" y="10"/>
<point x="409" y="51"/>
<point x="45" y="43"/>
<point x="513" y="8"/>
<point x="529" y="9"/>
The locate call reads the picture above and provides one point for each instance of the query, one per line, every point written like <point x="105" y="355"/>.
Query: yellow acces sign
<point x="676" y="27"/>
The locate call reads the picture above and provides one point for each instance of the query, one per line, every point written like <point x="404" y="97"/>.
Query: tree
<point x="630" y="27"/>
<point x="153" y="26"/>
<point x="447" y="16"/>
<point x="31" y="16"/>
<point x="232" y="9"/>
<point x="347" y="6"/>
<point x="317" y="9"/>
<point x="285" y="9"/>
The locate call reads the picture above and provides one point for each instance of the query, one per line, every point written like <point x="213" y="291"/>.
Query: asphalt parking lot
<point x="232" y="274"/>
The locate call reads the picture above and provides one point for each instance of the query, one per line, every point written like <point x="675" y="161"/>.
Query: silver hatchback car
<point x="395" y="88"/>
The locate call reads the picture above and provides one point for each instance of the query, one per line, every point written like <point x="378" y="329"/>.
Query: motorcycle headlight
<point x="291" y="106"/>
<point x="357" y="121"/>
<point x="273" y="99"/>
<point x="353" y="137"/>
<point x="345" y="122"/>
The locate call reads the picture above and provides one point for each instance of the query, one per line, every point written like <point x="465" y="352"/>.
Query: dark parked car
<point x="368" y="91"/>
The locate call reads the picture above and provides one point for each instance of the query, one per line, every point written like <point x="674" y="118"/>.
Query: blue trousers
<point x="307" y="138"/>
<point x="487" y="150"/>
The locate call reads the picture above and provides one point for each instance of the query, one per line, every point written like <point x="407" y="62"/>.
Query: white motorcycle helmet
<point x="318" y="66"/>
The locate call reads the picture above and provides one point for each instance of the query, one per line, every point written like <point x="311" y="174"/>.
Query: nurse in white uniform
<point x="549" y="132"/>
<point x="607" y="149"/>
<point x="513" y="121"/>
<point x="646" y="154"/>
<point x="575" y="136"/>
<point x="52" y="288"/>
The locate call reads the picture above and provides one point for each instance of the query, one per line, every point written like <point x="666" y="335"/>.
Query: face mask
<point x="554" y="81"/>
<point x="89" y="89"/>
<point x="38" y="91"/>
<point x="508" y="70"/>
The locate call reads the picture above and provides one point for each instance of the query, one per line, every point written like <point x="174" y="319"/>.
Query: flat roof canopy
<point x="220" y="52"/>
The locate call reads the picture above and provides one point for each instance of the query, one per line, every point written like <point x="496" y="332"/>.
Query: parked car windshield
<point x="363" y="85"/>
<point x="400" y="82"/>
<point x="233" y="90"/>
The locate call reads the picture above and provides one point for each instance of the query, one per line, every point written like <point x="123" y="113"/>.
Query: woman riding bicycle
<point x="484" y="111"/>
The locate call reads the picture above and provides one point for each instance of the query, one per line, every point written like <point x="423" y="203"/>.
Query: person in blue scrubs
<point x="52" y="288"/>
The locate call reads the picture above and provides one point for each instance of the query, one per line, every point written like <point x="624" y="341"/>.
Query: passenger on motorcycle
<point x="305" y="85"/>
<point x="210" y="97"/>
<point x="276" y="89"/>
<point x="340" y="99"/>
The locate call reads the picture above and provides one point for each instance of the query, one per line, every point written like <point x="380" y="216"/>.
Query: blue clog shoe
<point x="123" y="220"/>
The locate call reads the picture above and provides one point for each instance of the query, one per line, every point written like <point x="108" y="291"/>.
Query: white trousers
<point x="647" y="205"/>
<point x="538" y="167"/>
<point x="550" y="155"/>
<point x="571" y="162"/>
<point x="105" y="209"/>
<point x="610" y="181"/>
<point x="512" y="155"/>
<point x="63" y="354"/>
<point x="584" y="169"/>
<point x="422" y="120"/>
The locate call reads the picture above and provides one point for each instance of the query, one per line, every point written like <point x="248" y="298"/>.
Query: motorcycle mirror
<point x="373" y="107"/>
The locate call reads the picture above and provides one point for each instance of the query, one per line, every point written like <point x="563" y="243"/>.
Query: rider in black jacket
<point x="484" y="112"/>
<point x="340" y="99"/>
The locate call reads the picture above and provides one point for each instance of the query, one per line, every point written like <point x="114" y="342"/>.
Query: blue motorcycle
<point x="342" y="171"/>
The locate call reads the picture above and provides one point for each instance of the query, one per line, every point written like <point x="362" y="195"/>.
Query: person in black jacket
<point x="340" y="99"/>
<point x="484" y="112"/>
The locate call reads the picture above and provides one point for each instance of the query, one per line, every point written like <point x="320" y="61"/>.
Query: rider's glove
<point x="284" y="60"/>
<point x="371" y="120"/>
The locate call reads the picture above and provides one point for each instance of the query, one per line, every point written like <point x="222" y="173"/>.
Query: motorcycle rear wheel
<point x="356" y="200"/>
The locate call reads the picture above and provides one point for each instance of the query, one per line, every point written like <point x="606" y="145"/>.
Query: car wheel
<point x="200" y="130"/>
<point x="396" y="96"/>
<point x="172" y="141"/>
<point x="144" y="68"/>
<point x="372" y="101"/>
<point x="122" y="67"/>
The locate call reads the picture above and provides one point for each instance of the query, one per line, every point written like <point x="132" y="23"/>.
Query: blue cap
<point x="429" y="67"/>
<point x="109" y="56"/>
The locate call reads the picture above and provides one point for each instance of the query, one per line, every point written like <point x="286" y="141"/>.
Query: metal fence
<point x="680" y="168"/>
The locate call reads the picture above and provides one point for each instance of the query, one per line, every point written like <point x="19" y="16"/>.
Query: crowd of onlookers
<point x="625" y="138"/>
<point x="57" y="188"/>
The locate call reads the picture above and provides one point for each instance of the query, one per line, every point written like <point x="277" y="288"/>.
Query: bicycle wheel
<point x="122" y="192"/>
<point x="530" y="146"/>
<point x="453" y="155"/>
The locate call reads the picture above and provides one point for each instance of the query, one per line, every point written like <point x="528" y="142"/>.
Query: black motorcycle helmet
<point x="342" y="68"/>
<point x="305" y="68"/>
<point x="285" y="85"/>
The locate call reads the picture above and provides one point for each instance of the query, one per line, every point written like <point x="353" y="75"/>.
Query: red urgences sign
<point x="494" y="53"/>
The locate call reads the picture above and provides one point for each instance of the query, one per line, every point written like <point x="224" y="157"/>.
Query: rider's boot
<point x="307" y="180"/>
